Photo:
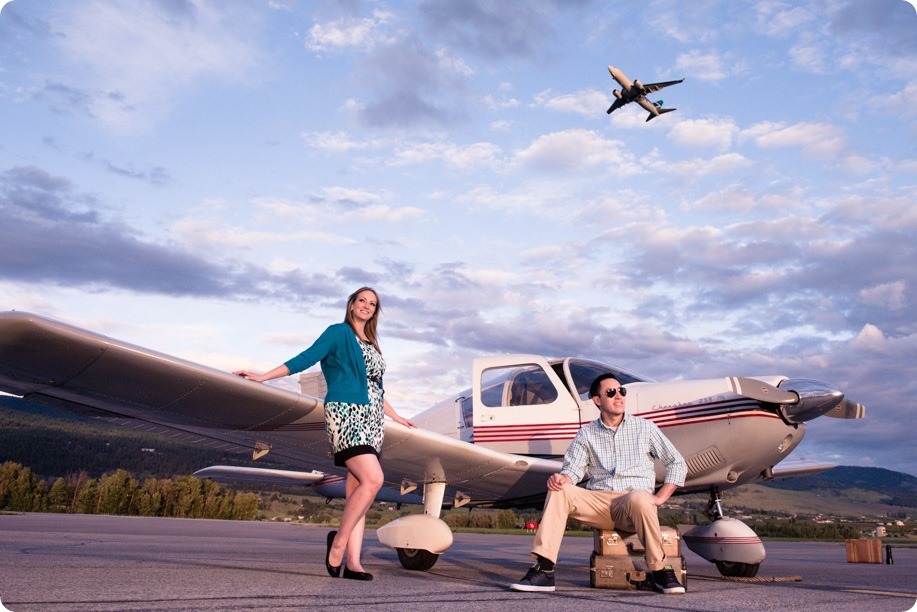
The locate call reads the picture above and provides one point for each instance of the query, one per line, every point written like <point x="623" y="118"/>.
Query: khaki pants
<point x="625" y="511"/>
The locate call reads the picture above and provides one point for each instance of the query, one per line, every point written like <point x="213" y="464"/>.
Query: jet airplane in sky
<point x="636" y="92"/>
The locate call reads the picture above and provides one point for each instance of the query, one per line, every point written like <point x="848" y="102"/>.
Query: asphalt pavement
<point x="54" y="562"/>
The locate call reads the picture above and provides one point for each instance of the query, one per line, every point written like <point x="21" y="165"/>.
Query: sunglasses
<point x="612" y="392"/>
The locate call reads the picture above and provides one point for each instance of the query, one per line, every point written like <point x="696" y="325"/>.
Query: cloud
<point x="585" y="102"/>
<point x="493" y="30"/>
<point x="128" y="59"/>
<point x="470" y="157"/>
<point x="346" y="32"/>
<point x="576" y="151"/>
<point x="719" y="134"/>
<point x="54" y="234"/>
<point x="710" y="66"/>
<point x="698" y="167"/>
<point x="409" y="83"/>
<point x="781" y="20"/>
<point x="820" y="140"/>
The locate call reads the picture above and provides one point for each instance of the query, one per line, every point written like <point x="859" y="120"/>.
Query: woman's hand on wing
<point x="248" y="375"/>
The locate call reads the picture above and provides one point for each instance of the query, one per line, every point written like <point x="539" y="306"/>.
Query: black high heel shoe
<point x="356" y="575"/>
<point x="333" y="570"/>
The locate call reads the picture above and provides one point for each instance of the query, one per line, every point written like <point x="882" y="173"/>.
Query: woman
<point x="354" y="406"/>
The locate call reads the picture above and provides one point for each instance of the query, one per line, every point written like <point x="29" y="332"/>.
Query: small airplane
<point x="636" y="92"/>
<point x="492" y="445"/>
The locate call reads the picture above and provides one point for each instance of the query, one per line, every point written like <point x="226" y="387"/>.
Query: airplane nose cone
<point x="815" y="399"/>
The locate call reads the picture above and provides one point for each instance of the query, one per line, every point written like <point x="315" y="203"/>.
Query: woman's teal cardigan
<point x="342" y="362"/>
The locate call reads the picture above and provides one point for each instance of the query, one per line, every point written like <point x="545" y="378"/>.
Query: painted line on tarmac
<point x="886" y="593"/>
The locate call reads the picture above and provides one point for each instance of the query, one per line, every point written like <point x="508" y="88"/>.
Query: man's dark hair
<point x="594" y="387"/>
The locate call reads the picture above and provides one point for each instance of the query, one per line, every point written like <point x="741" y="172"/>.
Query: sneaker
<point x="535" y="580"/>
<point x="664" y="581"/>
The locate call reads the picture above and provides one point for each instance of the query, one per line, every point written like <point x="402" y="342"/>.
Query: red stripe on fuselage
<point x="667" y="417"/>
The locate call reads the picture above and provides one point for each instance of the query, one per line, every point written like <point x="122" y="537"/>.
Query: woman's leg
<point x="355" y="543"/>
<point x="367" y="473"/>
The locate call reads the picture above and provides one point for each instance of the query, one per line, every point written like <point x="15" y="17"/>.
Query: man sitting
<point x="619" y="450"/>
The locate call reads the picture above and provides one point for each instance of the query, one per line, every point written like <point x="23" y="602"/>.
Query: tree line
<point x="120" y="493"/>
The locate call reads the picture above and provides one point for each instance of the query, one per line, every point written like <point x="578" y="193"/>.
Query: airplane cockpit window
<point x="584" y="372"/>
<point x="527" y="386"/>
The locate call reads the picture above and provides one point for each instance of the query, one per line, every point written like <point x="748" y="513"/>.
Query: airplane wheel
<point x="737" y="570"/>
<point x="416" y="559"/>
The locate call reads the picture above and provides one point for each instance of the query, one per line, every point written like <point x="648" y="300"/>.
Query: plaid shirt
<point x="624" y="459"/>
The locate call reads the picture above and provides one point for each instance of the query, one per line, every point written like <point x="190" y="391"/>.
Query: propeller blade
<point x="760" y="391"/>
<point x="848" y="409"/>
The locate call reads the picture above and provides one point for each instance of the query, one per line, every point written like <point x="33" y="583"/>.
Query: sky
<point x="212" y="178"/>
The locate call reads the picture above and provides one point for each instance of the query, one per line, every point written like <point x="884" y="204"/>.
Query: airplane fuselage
<point x="726" y="439"/>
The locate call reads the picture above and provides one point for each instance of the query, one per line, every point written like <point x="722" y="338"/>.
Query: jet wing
<point x="618" y="103"/>
<point x="55" y="364"/>
<point x="651" y="87"/>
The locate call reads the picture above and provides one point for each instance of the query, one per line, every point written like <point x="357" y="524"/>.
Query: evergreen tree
<point x="60" y="496"/>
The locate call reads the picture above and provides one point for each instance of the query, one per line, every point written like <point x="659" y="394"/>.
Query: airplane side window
<point x="492" y="396"/>
<point x="516" y="386"/>
<point x="467" y="412"/>
<point x="532" y="388"/>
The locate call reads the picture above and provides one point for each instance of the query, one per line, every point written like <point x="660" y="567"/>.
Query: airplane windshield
<point x="584" y="372"/>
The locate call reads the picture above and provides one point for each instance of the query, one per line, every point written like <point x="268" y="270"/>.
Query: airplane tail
<point x="659" y="111"/>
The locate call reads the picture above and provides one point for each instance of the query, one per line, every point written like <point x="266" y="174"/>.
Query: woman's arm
<point x="390" y="413"/>
<point x="278" y="372"/>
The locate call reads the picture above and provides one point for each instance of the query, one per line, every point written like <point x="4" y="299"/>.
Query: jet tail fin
<point x="659" y="111"/>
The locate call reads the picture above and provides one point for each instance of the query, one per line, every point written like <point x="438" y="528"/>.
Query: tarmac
<point x="51" y="562"/>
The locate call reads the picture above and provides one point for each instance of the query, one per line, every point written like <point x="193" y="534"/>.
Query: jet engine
<point x="638" y="84"/>
<point x="617" y="94"/>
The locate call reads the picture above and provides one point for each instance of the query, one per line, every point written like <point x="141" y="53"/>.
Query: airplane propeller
<point x="848" y="409"/>
<point x="798" y="399"/>
<point x="761" y="391"/>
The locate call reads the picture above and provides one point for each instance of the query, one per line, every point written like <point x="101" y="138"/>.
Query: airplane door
<point x="521" y="406"/>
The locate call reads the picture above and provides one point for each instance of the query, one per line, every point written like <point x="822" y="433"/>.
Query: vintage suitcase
<point x="608" y="542"/>
<point x="864" y="550"/>
<point x="617" y="561"/>
<point x="628" y="572"/>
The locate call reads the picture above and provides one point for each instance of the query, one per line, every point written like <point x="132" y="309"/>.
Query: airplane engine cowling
<point x="815" y="399"/>
<point x="638" y="84"/>
<point x="617" y="94"/>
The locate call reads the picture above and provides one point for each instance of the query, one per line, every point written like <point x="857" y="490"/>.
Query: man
<point x="619" y="450"/>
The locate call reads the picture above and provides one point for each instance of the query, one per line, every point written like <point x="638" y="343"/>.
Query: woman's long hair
<point x="370" y="329"/>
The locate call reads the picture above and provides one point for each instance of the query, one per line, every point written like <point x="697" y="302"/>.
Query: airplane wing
<point x="618" y="103"/>
<point x="651" y="87"/>
<point x="794" y="469"/>
<point x="59" y="365"/>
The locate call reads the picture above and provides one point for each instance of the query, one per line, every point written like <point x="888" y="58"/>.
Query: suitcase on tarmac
<point x="618" y="560"/>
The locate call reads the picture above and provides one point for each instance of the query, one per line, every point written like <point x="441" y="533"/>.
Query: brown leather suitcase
<point x="618" y="560"/>
<point x="629" y="573"/>
<point x="610" y="542"/>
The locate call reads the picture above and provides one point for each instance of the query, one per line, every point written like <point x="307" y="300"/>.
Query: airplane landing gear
<point x="728" y="543"/>
<point x="416" y="559"/>
<point x="731" y="569"/>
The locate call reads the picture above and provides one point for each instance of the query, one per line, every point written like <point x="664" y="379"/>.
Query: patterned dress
<point x="356" y="429"/>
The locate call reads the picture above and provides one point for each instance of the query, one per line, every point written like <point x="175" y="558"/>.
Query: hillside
<point x="54" y="443"/>
<point x="896" y="489"/>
